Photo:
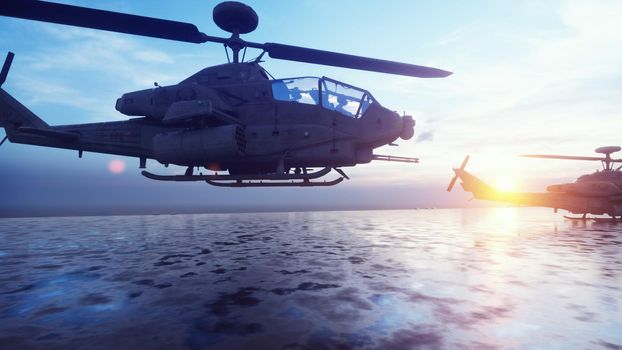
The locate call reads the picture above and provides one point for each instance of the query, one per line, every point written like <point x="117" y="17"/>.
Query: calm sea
<point x="461" y="278"/>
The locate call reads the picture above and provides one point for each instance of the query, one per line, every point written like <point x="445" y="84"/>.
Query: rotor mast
<point x="607" y="161"/>
<point x="235" y="18"/>
<point x="235" y="44"/>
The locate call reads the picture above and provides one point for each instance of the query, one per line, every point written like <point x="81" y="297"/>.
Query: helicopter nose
<point x="124" y="104"/>
<point x="408" y="127"/>
<point x="118" y="105"/>
<point x="131" y="103"/>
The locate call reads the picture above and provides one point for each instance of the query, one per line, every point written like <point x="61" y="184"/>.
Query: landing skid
<point x="303" y="183"/>
<point x="263" y="180"/>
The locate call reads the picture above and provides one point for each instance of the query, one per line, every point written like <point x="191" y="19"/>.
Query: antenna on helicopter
<point x="258" y="58"/>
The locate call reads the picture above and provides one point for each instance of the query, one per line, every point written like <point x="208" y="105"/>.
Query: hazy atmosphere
<point x="277" y="241"/>
<point x="529" y="77"/>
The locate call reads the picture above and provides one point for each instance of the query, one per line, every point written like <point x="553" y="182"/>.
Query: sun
<point x="505" y="184"/>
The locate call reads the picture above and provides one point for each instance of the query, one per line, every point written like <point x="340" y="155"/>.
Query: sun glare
<point x="504" y="184"/>
<point x="116" y="166"/>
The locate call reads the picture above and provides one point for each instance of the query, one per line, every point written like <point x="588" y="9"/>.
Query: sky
<point x="529" y="77"/>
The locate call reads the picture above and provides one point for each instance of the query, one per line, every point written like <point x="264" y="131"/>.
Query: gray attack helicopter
<point x="598" y="193"/>
<point x="232" y="117"/>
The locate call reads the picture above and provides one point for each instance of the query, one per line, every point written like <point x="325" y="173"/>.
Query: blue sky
<point x="529" y="77"/>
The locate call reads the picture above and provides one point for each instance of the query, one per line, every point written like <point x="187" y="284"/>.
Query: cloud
<point x="88" y="69"/>
<point x="152" y="56"/>
<point x="425" y="136"/>
<point x="549" y="88"/>
<point x="44" y="92"/>
<point x="84" y="50"/>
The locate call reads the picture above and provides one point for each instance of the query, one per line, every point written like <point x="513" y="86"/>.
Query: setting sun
<point x="504" y="184"/>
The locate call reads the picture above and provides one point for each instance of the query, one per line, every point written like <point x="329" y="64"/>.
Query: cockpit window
<point x="345" y="99"/>
<point x="301" y="90"/>
<point x="330" y="94"/>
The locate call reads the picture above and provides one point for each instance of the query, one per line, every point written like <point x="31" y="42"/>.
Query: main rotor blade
<point x="328" y="58"/>
<point x="104" y="20"/>
<point x="550" y="156"/>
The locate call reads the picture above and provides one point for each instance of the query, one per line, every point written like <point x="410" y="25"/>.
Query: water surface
<point x="476" y="278"/>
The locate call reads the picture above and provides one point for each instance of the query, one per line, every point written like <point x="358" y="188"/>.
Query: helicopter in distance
<point x="233" y="117"/>
<point x="598" y="193"/>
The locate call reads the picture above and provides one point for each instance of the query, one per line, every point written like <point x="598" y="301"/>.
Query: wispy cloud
<point x="94" y="51"/>
<point x="87" y="69"/>
<point x="44" y="92"/>
<point x="559" y="92"/>
<point x="425" y="136"/>
<point x="152" y="56"/>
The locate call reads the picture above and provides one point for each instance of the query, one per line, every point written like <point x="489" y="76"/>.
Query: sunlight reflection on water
<point x="478" y="278"/>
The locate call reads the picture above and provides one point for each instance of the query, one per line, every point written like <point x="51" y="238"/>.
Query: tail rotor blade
<point x="455" y="178"/>
<point x="452" y="183"/>
<point x="464" y="162"/>
<point x="6" y="67"/>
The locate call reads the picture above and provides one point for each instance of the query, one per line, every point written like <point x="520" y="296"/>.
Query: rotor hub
<point x="235" y="17"/>
<point x="608" y="149"/>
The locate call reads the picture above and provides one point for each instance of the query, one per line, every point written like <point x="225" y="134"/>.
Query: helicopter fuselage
<point x="598" y="193"/>
<point x="587" y="196"/>
<point x="233" y="117"/>
<point x="229" y="117"/>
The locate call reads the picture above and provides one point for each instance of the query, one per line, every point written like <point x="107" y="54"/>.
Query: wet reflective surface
<point x="478" y="278"/>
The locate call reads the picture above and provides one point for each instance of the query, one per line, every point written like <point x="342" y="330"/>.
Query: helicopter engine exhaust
<point x="200" y="147"/>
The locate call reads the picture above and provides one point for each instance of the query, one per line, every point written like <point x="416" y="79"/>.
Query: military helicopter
<point x="599" y="193"/>
<point x="232" y="117"/>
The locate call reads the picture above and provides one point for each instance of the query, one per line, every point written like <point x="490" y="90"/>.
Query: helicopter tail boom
<point x="14" y="115"/>
<point x="21" y="125"/>
<point x="473" y="184"/>
<point x="484" y="191"/>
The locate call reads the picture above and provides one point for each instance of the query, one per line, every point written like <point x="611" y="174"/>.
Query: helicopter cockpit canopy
<point x="325" y="92"/>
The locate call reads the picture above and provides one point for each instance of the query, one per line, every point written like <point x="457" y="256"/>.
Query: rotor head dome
<point x="608" y="149"/>
<point x="233" y="16"/>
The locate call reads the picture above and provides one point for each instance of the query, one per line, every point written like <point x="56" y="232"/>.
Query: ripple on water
<point x="482" y="278"/>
